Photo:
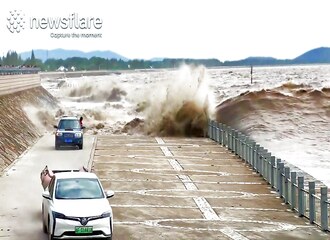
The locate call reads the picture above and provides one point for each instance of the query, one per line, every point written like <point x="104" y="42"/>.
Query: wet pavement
<point x="190" y="188"/>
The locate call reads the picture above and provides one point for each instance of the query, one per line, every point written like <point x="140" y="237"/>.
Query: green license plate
<point x="83" y="230"/>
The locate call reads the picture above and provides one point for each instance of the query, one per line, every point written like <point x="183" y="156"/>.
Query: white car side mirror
<point x="109" y="194"/>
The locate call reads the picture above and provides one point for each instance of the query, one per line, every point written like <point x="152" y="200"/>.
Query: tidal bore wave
<point x="290" y="103"/>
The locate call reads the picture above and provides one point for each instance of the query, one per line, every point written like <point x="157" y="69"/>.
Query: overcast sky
<point x="222" y="29"/>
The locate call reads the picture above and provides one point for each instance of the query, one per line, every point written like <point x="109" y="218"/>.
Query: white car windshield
<point x="78" y="188"/>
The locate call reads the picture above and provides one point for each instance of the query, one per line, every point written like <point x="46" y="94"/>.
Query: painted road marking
<point x="206" y="208"/>
<point x="159" y="171"/>
<point x="187" y="182"/>
<point x="175" y="164"/>
<point x="166" y="151"/>
<point x="203" y="205"/>
<point x="214" y="194"/>
<point x="263" y="226"/>
<point x="191" y="207"/>
<point x="229" y="232"/>
<point x="159" y="140"/>
<point x="170" y="181"/>
<point x="143" y="156"/>
<point x="201" y="202"/>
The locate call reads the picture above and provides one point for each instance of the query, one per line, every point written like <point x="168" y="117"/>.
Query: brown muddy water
<point x="285" y="109"/>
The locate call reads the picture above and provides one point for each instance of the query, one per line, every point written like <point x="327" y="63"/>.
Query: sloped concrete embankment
<point x="17" y="131"/>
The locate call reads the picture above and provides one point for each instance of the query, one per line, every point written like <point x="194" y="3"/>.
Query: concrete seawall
<point x="58" y="75"/>
<point x="17" y="131"/>
<point x="13" y="83"/>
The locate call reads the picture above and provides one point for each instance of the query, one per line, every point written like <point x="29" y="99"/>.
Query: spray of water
<point x="179" y="106"/>
<point x="42" y="118"/>
<point x="93" y="91"/>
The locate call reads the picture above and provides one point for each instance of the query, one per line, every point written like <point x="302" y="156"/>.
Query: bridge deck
<point x="190" y="188"/>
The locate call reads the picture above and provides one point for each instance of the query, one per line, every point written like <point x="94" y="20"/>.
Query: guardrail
<point x="14" y="83"/>
<point x="311" y="203"/>
<point x="18" y="70"/>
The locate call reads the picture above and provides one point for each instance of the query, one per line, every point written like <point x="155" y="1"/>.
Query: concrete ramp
<point x="190" y="188"/>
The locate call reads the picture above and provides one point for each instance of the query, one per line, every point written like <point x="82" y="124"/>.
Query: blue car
<point x="69" y="133"/>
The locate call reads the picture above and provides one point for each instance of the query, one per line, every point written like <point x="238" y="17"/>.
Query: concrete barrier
<point x="14" y="83"/>
<point x="58" y="75"/>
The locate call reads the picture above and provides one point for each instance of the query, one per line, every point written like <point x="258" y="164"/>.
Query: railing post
<point x="221" y="133"/>
<point x="267" y="166"/>
<point x="217" y="132"/>
<point x="224" y="135"/>
<point x="241" y="139"/>
<point x="311" y="190"/>
<point x="260" y="159"/>
<point x="229" y="138"/>
<point x="235" y="142"/>
<point x="293" y="190"/>
<point x="214" y="131"/>
<point x="324" y="209"/>
<point x="245" y="148"/>
<point x="209" y="128"/>
<point x="301" y="201"/>
<point x="255" y="157"/>
<point x="278" y="179"/>
<point x="280" y="173"/>
<point x="286" y="184"/>
<point x="272" y="171"/>
<point x="239" y="143"/>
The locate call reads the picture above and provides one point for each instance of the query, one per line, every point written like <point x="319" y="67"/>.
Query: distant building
<point x="62" y="69"/>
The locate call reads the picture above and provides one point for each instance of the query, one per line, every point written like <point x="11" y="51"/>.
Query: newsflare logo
<point x="72" y="25"/>
<point x="15" y="21"/>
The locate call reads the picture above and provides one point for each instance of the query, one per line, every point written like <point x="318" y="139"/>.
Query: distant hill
<point x="255" y="61"/>
<point x="317" y="55"/>
<point x="64" y="54"/>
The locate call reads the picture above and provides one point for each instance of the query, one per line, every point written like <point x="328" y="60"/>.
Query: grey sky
<point x="223" y="29"/>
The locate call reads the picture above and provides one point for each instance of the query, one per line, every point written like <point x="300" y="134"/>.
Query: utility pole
<point x="251" y="74"/>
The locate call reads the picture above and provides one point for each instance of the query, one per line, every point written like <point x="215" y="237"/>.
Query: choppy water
<point x="285" y="109"/>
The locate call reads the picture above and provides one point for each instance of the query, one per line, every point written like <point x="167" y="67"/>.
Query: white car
<point x="75" y="206"/>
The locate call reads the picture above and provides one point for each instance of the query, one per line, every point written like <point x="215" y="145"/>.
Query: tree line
<point x="96" y="63"/>
<point x="13" y="59"/>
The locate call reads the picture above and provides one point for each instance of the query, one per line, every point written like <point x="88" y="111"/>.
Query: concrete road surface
<point x="20" y="188"/>
<point x="190" y="188"/>
<point x="165" y="188"/>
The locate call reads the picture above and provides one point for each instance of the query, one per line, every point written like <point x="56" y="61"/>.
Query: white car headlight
<point x="58" y="215"/>
<point x="77" y="135"/>
<point x="106" y="214"/>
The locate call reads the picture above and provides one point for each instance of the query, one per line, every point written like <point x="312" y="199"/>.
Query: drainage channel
<point x="201" y="202"/>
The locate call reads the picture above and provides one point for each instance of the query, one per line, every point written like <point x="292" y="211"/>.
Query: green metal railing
<point x="311" y="203"/>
